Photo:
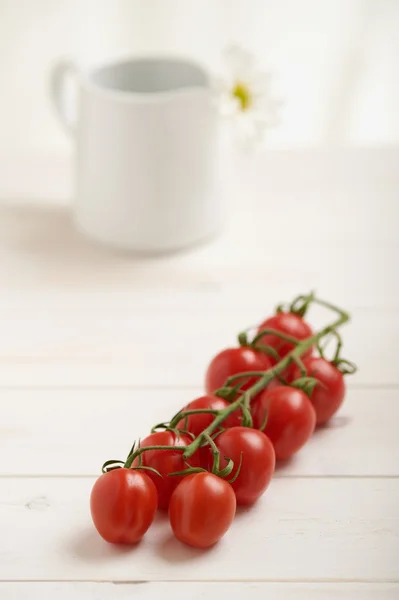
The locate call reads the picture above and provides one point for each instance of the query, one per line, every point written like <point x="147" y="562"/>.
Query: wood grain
<point x="72" y="432"/>
<point x="70" y="345"/>
<point x="95" y="346"/>
<point x="198" y="591"/>
<point x="301" y="529"/>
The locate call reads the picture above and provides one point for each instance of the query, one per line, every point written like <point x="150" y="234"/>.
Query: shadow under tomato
<point x="89" y="546"/>
<point x="242" y="511"/>
<point x="335" y="423"/>
<point x="172" y="551"/>
<point x="287" y="463"/>
<point x="250" y="511"/>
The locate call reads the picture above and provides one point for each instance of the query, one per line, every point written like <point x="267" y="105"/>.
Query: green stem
<point x="187" y="413"/>
<point x="267" y="376"/>
<point x="223" y="414"/>
<point x="215" y="454"/>
<point x="243" y="402"/>
<point x="247" y="375"/>
<point x="279" y="334"/>
<point x="301" y="304"/>
<point x="338" y="348"/>
<point x="301" y="366"/>
<point x="130" y="459"/>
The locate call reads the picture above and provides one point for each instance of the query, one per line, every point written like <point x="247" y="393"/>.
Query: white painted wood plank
<point x="198" y="591"/>
<point x="318" y="529"/>
<point x="73" y="432"/>
<point x="49" y="176"/>
<point x="160" y="345"/>
<point x="336" y="212"/>
<point x="336" y="184"/>
<point x="184" y="293"/>
<point x="41" y="250"/>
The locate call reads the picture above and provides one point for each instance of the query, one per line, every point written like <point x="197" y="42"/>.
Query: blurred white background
<point x="336" y="62"/>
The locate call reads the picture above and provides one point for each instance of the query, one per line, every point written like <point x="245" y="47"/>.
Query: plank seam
<point x="265" y="580"/>
<point x="276" y="476"/>
<point x="167" y="387"/>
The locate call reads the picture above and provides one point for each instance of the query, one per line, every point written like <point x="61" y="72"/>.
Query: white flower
<point x="245" y="96"/>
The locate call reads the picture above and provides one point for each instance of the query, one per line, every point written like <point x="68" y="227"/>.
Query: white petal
<point x="250" y="125"/>
<point x="267" y="120"/>
<point x="240" y="62"/>
<point x="250" y="130"/>
<point x="268" y="109"/>
<point x="229" y="106"/>
<point x="244" y="126"/>
<point x="261" y="82"/>
<point x="219" y="85"/>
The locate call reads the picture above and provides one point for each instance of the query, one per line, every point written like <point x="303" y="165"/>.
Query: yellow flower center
<point x="243" y="95"/>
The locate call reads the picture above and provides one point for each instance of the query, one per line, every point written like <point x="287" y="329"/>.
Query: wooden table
<point x="95" y="347"/>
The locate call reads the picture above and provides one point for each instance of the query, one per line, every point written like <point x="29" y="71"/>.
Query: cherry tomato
<point x="290" y="324"/>
<point x="329" y="395"/>
<point x="291" y="418"/>
<point x="197" y="423"/>
<point x="258" y="461"/>
<point x="123" y="503"/>
<point x="232" y="361"/>
<point x="201" y="509"/>
<point x="165" y="462"/>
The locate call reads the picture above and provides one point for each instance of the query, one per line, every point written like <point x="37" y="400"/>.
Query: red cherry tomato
<point x="291" y="419"/>
<point x="258" y="461"/>
<point x="165" y="462"/>
<point x="232" y="361"/>
<point x="123" y="503"/>
<point x="197" y="423"/>
<point x="329" y="395"/>
<point x="201" y="509"/>
<point x="290" y="324"/>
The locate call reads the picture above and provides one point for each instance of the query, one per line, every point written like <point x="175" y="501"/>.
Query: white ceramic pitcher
<point x="146" y="137"/>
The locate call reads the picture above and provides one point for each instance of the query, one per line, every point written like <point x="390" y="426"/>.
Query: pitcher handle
<point x="58" y="78"/>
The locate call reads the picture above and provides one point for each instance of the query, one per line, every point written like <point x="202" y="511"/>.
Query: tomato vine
<point x="230" y="390"/>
